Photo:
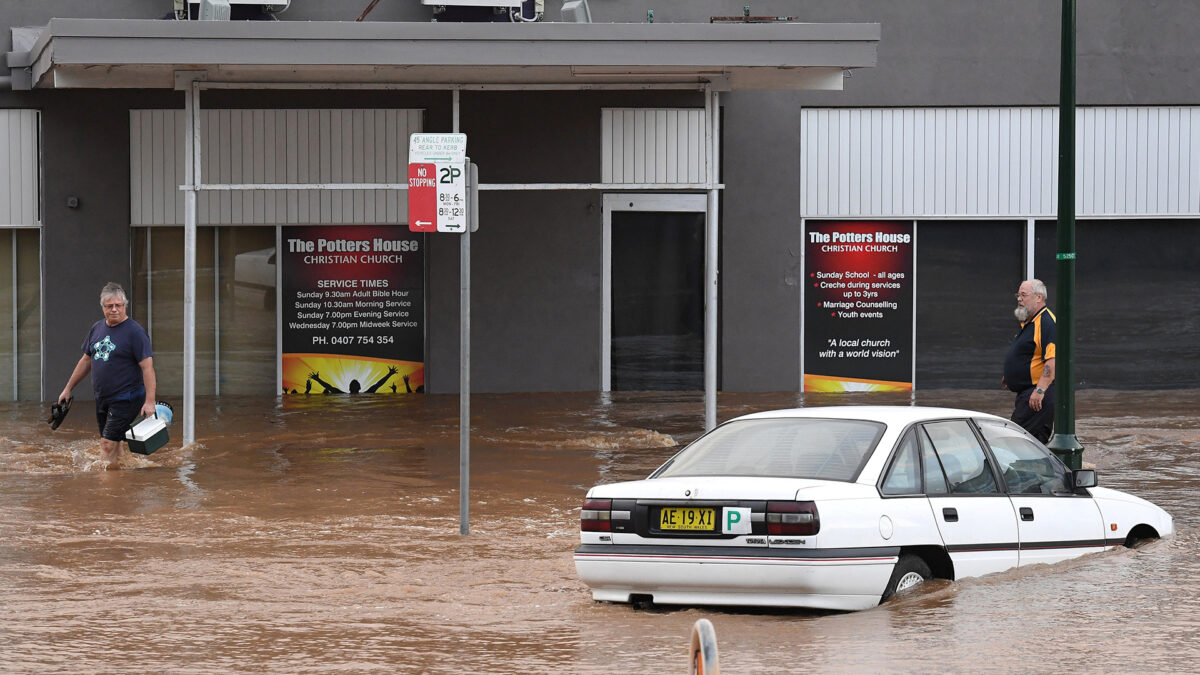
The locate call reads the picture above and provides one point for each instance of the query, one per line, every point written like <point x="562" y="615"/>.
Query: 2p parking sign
<point x="437" y="183"/>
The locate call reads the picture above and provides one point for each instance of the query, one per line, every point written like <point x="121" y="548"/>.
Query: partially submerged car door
<point x="974" y="515"/>
<point x="1054" y="522"/>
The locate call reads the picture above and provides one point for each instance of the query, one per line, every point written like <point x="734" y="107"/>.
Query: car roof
<point x="888" y="414"/>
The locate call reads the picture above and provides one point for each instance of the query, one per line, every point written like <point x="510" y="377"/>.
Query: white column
<point x="217" y="312"/>
<point x="1030" y="244"/>
<point x="713" y="134"/>
<point x="192" y="178"/>
<point x="16" y="354"/>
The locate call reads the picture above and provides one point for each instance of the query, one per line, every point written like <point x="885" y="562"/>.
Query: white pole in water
<point x="702" y="655"/>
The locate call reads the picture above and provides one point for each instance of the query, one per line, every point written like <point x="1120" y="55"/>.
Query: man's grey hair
<point x="113" y="290"/>
<point x="1035" y="286"/>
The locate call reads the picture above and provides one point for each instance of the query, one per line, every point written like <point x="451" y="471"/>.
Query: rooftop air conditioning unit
<point x="214" y="10"/>
<point x="576" y="11"/>
<point x="272" y="6"/>
<point x="269" y="5"/>
<point x="473" y="3"/>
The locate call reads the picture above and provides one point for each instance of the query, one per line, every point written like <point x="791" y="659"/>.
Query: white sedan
<point x="841" y="507"/>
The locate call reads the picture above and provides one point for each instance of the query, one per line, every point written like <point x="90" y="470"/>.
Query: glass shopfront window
<point x="21" y="305"/>
<point x="246" y="279"/>
<point x="235" y="307"/>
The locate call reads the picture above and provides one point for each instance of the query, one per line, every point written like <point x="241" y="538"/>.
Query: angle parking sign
<point x="437" y="183"/>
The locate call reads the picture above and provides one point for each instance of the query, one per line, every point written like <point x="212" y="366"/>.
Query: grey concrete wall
<point x="85" y="155"/>
<point x="760" y="243"/>
<point x="971" y="52"/>
<point x="535" y="310"/>
<point x="536" y="260"/>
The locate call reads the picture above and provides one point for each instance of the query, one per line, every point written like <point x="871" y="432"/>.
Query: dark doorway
<point x="657" y="301"/>
<point x="967" y="274"/>
<point x="1137" y="301"/>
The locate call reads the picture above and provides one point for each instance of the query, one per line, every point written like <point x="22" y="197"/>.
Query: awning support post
<point x="712" y="103"/>
<point x="192" y="178"/>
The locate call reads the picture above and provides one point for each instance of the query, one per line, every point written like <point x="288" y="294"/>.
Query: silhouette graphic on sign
<point x="355" y="386"/>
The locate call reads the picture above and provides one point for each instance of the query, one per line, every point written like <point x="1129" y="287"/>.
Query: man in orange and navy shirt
<point x="1029" y="366"/>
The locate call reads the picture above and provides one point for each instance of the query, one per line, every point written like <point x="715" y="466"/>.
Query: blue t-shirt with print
<point x="116" y="352"/>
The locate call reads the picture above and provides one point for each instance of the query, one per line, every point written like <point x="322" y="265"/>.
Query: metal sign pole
<point x="1063" y="443"/>
<point x="464" y="344"/>
<point x="464" y="355"/>
<point x="443" y="191"/>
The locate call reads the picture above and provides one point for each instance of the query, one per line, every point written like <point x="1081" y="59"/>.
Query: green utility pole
<point x="1063" y="443"/>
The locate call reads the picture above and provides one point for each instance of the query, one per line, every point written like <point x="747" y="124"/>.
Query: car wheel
<point x="910" y="571"/>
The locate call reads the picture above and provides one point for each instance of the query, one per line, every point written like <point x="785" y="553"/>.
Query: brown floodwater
<point x="322" y="534"/>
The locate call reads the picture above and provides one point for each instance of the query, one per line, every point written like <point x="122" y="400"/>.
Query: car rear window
<point x="824" y="449"/>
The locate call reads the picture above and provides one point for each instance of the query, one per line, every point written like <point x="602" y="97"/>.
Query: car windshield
<point x="824" y="449"/>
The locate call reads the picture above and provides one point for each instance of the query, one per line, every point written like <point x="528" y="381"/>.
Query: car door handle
<point x="950" y="514"/>
<point x="1026" y="513"/>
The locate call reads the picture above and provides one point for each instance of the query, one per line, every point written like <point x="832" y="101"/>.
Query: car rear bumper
<point x="844" y="579"/>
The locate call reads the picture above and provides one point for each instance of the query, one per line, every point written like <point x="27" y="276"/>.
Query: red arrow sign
<point x="422" y="197"/>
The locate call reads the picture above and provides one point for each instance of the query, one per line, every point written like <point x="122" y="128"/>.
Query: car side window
<point x="904" y="478"/>
<point x="1027" y="468"/>
<point x="967" y="468"/>
<point x="935" y="479"/>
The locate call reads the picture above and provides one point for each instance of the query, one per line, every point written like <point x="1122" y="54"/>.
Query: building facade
<point x="592" y="276"/>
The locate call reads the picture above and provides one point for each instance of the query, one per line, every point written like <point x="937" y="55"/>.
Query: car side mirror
<point x="1083" y="478"/>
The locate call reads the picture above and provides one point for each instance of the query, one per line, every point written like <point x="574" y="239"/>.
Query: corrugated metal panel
<point x="1139" y="161"/>
<point x="915" y="162"/>
<point x="273" y="146"/>
<point x="652" y="145"/>
<point x="19" y="171"/>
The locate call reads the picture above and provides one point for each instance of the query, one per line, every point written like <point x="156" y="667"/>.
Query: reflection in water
<point x="311" y="535"/>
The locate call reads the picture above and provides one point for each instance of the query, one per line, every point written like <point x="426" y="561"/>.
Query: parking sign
<point x="437" y="183"/>
<point x="451" y="197"/>
<point x="422" y="197"/>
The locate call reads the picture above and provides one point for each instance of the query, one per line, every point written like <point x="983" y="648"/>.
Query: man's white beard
<point x="1021" y="313"/>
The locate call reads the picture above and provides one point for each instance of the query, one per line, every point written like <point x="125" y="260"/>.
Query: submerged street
<point x="321" y="534"/>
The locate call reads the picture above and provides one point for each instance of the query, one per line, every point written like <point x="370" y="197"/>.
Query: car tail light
<point x="596" y="515"/>
<point x="792" y="518"/>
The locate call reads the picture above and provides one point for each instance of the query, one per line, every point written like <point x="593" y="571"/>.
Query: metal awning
<point x="145" y="54"/>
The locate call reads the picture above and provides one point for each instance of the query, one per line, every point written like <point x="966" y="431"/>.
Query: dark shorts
<point x="1037" y="422"/>
<point x="116" y="417"/>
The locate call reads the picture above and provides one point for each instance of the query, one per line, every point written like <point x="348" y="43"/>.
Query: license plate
<point x="686" y="518"/>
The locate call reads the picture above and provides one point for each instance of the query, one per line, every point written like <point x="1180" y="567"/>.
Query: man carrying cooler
<point x="118" y="356"/>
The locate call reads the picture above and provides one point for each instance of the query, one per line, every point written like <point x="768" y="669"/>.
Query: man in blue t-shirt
<point x="117" y="354"/>
<point x="1029" y="365"/>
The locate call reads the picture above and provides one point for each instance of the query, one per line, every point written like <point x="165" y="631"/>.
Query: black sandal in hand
<point x="58" y="412"/>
